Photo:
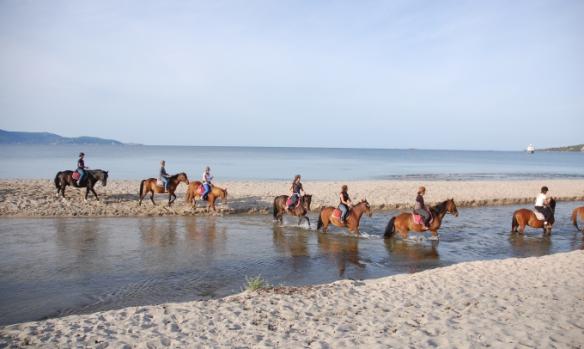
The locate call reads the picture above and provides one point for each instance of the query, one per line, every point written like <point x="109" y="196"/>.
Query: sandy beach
<point x="510" y="303"/>
<point x="36" y="198"/>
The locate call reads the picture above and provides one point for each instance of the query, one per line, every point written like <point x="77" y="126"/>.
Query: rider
<point x="207" y="182"/>
<point x="81" y="168"/>
<point x="541" y="204"/>
<point x="345" y="203"/>
<point x="163" y="176"/>
<point x="297" y="191"/>
<point x="420" y="208"/>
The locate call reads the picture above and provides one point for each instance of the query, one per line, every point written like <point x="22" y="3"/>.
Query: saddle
<point x="159" y="183"/>
<point x="539" y="215"/>
<point x="75" y="175"/>
<point x="420" y="220"/>
<point x="289" y="202"/>
<point x="337" y="213"/>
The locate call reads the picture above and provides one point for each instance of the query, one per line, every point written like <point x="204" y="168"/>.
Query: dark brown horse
<point x="327" y="217"/>
<point x="194" y="191"/>
<point x="149" y="186"/>
<point x="578" y="211"/>
<point x="300" y="210"/>
<point x="523" y="217"/>
<point x="64" y="178"/>
<point x="404" y="222"/>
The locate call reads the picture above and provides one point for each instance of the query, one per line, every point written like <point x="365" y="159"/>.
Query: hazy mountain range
<point x="9" y="137"/>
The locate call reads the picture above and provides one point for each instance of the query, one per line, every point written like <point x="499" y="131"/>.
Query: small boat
<point x="530" y="149"/>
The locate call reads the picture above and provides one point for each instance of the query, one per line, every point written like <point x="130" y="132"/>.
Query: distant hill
<point x="8" y="137"/>
<point x="578" y="147"/>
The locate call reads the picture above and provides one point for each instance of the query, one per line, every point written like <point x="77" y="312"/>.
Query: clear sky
<point x="388" y="74"/>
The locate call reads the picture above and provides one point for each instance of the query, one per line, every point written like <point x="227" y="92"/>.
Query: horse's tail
<point x="514" y="223"/>
<point x="390" y="228"/>
<point x="275" y="210"/>
<point x="142" y="187"/>
<point x="57" y="180"/>
<point x="575" y="218"/>
<point x="319" y="224"/>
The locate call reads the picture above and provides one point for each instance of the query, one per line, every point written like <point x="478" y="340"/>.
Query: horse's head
<point x="306" y="200"/>
<point x="451" y="207"/>
<point x="366" y="207"/>
<point x="552" y="204"/>
<point x="104" y="178"/>
<point x="182" y="177"/>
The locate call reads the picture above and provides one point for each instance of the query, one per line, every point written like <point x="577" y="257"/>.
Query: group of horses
<point x="401" y="224"/>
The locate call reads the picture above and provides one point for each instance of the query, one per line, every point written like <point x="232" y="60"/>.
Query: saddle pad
<point x="200" y="190"/>
<point x="337" y="213"/>
<point x="159" y="183"/>
<point x="417" y="219"/>
<point x="539" y="215"/>
<point x="289" y="202"/>
<point x="75" y="175"/>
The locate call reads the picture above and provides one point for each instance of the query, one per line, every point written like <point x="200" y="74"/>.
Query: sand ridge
<point x="36" y="198"/>
<point x="511" y="303"/>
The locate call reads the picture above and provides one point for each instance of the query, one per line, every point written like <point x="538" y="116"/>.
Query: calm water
<point x="58" y="266"/>
<point x="228" y="163"/>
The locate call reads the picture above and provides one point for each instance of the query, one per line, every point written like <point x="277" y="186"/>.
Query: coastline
<point x="535" y="301"/>
<point x="36" y="198"/>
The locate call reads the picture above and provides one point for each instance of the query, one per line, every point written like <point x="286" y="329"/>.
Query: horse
<point x="523" y="217"/>
<point x="300" y="210"/>
<point x="194" y="190"/>
<point x="65" y="178"/>
<point x="404" y="222"/>
<point x="326" y="217"/>
<point x="578" y="211"/>
<point x="149" y="186"/>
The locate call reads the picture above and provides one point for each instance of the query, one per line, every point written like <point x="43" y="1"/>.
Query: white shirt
<point x="207" y="177"/>
<point x="540" y="200"/>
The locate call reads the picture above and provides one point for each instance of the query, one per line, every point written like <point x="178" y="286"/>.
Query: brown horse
<point x="300" y="210"/>
<point x="578" y="211"/>
<point x="523" y="217"/>
<point x="404" y="222"/>
<point x="353" y="217"/>
<point x="194" y="192"/>
<point x="149" y="186"/>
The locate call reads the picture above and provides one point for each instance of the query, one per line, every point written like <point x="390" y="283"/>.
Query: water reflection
<point x="341" y="249"/>
<point x="79" y="245"/>
<point x="203" y="236"/>
<point x="158" y="233"/>
<point x="524" y="245"/>
<point x="412" y="252"/>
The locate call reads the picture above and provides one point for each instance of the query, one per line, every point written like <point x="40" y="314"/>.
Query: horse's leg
<point x="94" y="193"/>
<point x="307" y="221"/>
<point x="152" y="197"/>
<point x="435" y="234"/>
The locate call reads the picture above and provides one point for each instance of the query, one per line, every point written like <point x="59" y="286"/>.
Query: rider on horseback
<point x="420" y="208"/>
<point x="345" y="204"/>
<point x="81" y="168"/>
<point x="296" y="189"/>
<point x="541" y="204"/>
<point x="163" y="176"/>
<point x="207" y="182"/>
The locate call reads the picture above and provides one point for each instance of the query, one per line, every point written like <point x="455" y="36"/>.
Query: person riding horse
<point x="163" y="176"/>
<point x="345" y="204"/>
<point x="542" y="205"/>
<point x="420" y="208"/>
<point x="297" y="192"/>
<point x="81" y="168"/>
<point x="207" y="185"/>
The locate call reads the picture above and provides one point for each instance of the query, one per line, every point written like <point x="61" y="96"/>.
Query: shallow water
<point x="60" y="266"/>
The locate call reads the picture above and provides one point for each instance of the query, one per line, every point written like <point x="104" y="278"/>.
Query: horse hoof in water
<point x="434" y="238"/>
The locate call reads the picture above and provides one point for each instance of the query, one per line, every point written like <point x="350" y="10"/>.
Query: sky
<point x="493" y="75"/>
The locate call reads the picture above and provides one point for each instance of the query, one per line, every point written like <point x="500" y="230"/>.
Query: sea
<point x="273" y="163"/>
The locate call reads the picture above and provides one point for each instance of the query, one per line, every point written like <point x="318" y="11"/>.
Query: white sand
<point x="120" y="198"/>
<point x="512" y="303"/>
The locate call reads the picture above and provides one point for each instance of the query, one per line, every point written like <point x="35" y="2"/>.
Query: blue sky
<point x="388" y="74"/>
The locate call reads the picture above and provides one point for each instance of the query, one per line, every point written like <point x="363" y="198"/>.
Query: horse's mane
<point x="176" y="175"/>
<point x="440" y="207"/>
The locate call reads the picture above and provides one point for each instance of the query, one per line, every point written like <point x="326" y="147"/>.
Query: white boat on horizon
<point x="530" y="149"/>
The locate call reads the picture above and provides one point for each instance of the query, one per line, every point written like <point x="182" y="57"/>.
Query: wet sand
<point x="530" y="302"/>
<point x="36" y="198"/>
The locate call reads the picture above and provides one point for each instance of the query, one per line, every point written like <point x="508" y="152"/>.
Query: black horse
<point x="280" y="208"/>
<point x="64" y="178"/>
